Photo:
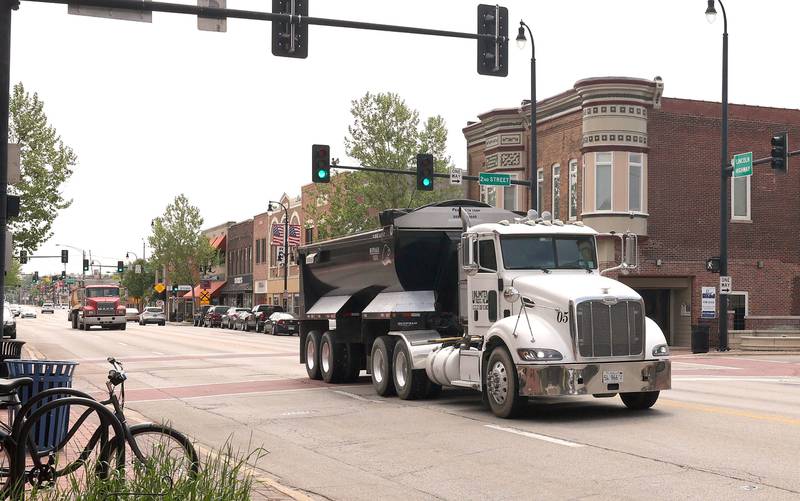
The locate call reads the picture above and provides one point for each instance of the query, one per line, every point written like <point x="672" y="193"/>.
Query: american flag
<point x="277" y="234"/>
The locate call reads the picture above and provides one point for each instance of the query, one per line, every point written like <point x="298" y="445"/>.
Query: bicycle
<point x="38" y="464"/>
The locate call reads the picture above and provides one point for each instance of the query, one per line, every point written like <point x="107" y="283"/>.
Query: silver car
<point x="48" y="308"/>
<point x="131" y="314"/>
<point x="152" y="315"/>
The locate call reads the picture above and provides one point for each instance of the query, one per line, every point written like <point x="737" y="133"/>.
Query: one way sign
<point x="712" y="265"/>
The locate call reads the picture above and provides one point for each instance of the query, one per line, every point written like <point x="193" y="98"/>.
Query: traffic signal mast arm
<point x="760" y="161"/>
<point x="414" y="173"/>
<point x="213" y="12"/>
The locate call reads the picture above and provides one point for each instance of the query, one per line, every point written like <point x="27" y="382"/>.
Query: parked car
<point x="229" y="316"/>
<point x="131" y="314"/>
<point x="197" y="317"/>
<point x="27" y="312"/>
<point x="9" y="323"/>
<point x="240" y="320"/>
<point x="213" y="317"/>
<point x="48" y="308"/>
<point x="153" y="315"/>
<point x="282" y="323"/>
<point x="259" y="315"/>
<point x="15" y="309"/>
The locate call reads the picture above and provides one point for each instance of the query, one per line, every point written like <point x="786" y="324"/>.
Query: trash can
<point x="700" y="335"/>
<point x="9" y="350"/>
<point x="51" y="428"/>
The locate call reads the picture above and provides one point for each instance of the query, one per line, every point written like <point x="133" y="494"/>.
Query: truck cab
<point x="97" y="303"/>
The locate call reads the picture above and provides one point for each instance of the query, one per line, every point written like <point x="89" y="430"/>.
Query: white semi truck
<point x="461" y="294"/>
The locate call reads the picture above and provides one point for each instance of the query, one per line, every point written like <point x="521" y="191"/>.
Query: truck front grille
<point x="609" y="329"/>
<point x="105" y="309"/>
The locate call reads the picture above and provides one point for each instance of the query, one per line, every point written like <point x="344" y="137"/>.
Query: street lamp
<point x="711" y="14"/>
<point x="521" y="41"/>
<point x="285" y="250"/>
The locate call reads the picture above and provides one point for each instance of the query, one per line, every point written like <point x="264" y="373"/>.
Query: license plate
<point x="291" y="327"/>
<point x="612" y="377"/>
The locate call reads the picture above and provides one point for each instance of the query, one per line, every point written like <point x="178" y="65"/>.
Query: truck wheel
<point x="355" y="354"/>
<point x="639" y="401"/>
<point x="502" y="386"/>
<point x="382" y="351"/>
<point x="410" y="384"/>
<point x="124" y="326"/>
<point x="332" y="359"/>
<point x="312" y="355"/>
<point x="74" y="321"/>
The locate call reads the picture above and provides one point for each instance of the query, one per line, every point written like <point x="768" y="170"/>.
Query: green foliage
<point x="46" y="163"/>
<point x="178" y="243"/>
<point x="139" y="284"/>
<point x="385" y="133"/>
<point x="14" y="274"/>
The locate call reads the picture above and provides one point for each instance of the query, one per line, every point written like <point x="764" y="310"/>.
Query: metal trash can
<point x="9" y="350"/>
<point x="52" y="427"/>
<point x="700" y="335"/>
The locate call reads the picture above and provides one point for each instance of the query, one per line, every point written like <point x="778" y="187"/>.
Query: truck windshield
<point x="546" y="252"/>
<point x="102" y="292"/>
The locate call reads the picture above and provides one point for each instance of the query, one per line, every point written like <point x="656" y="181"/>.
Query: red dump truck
<point x="97" y="304"/>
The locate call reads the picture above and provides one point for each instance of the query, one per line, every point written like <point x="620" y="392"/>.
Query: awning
<point x="215" y="287"/>
<point x="218" y="242"/>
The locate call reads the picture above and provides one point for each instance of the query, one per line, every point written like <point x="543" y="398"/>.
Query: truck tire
<point x="332" y="359"/>
<point x="410" y="384"/>
<point x="381" y="361"/>
<point x="502" y="387"/>
<point x="312" y="355"/>
<point x="122" y="327"/>
<point x="74" y="320"/>
<point x="639" y="401"/>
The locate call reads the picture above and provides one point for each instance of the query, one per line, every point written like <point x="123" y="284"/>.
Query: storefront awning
<point x="215" y="288"/>
<point x="218" y="242"/>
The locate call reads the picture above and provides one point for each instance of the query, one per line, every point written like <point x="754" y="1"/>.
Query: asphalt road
<point x="730" y="428"/>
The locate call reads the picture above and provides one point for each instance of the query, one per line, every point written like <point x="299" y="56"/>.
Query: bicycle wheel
<point x="6" y="456"/>
<point x="161" y="447"/>
<point x="64" y="435"/>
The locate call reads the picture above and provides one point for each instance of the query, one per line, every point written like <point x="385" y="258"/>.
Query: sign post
<point x="743" y="164"/>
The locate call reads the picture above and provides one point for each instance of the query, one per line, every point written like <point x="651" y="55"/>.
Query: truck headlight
<point x="661" y="350"/>
<point x="538" y="354"/>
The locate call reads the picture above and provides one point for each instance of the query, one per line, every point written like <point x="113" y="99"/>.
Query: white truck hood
<point x="558" y="289"/>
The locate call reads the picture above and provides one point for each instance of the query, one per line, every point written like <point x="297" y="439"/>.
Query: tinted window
<point x="528" y="252"/>
<point x="486" y="254"/>
<point x="102" y="292"/>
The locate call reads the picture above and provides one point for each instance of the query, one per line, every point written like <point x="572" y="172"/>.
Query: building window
<point x="556" y="191"/>
<point x="635" y="182"/>
<point x="309" y="235"/>
<point x="273" y="255"/>
<point x="740" y="198"/>
<point x="489" y="195"/>
<point x="263" y="250"/>
<point x="510" y="197"/>
<point x="603" y="180"/>
<point x="573" y="189"/>
<point x="258" y="251"/>
<point x="539" y="190"/>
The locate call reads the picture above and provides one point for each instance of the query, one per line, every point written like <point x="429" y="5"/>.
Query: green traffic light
<point x="322" y="174"/>
<point x="426" y="182"/>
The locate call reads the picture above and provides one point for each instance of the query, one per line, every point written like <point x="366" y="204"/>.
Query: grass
<point x="225" y="475"/>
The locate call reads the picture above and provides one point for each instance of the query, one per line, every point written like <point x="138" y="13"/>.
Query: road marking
<point x="752" y="379"/>
<point x="158" y="353"/>
<point x="123" y="344"/>
<point x="762" y="360"/>
<point x="357" y="397"/>
<point x="529" y="434"/>
<point x="710" y="409"/>
<point x="688" y="366"/>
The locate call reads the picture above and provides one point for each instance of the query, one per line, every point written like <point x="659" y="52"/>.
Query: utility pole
<point x="5" y="76"/>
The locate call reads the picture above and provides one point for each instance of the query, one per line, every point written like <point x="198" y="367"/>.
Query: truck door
<point x="482" y="297"/>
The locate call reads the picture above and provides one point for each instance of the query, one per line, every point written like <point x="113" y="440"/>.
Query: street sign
<point x="205" y="284"/>
<point x="160" y="303"/>
<point x="456" y="175"/>
<point x="280" y="255"/>
<point x="138" y="268"/>
<point x="70" y="281"/>
<point x="494" y="179"/>
<point x="708" y="303"/>
<point x="212" y="23"/>
<point x="725" y="285"/>
<point x="712" y="265"/>
<point x="184" y="288"/>
<point x="159" y="287"/>
<point x="205" y="297"/>
<point x="144" y="16"/>
<point x="743" y="164"/>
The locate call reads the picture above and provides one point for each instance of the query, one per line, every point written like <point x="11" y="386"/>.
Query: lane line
<point x="123" y="344"/>
<point x="710" y="409"/>
<point x="529" y="434"/>
<point x="158" y="353"/>
<point x="357" y="397"/>
<point x="752" y="379"/>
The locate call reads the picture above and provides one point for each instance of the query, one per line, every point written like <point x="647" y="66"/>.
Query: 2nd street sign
<point x="493" y="179"/>
<point x="743" y="164"/>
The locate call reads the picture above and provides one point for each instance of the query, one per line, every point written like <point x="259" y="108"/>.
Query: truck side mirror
<point x="469" y="260"/>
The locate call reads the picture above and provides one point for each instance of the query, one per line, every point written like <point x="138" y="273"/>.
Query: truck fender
<point x="653" y="337"/>
<point x="541" y="334"/>
<point x="414" y="341"/>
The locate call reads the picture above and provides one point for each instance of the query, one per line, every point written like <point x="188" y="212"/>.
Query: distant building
<point x="238" y="288"/>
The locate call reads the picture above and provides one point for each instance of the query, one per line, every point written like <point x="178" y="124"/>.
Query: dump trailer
<point x="462" y="294"/>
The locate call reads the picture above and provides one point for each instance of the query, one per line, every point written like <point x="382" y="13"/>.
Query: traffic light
<point x="493" y="52"/>
<point x="35" y="276"/>
<point x="63" y="275"/>
<point x="780" y="151"/>
<point x="120" y="267"/>
<point x="290" y="39"/>
<point x="321" y="163"/>
<point x="64" y="256"/>
<point x="23" y="257"/>
<point x="425" y="172"/>
<point x="175" y="289"/>
<point x="85" y="265"/>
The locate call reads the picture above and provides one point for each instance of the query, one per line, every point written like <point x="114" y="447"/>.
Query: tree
<point x="178" y="244"/>
<point x="139" y="285"/>
<point x="46" y="163"/>
<point x="385" y="133"/>
<point x="14" y="274"/>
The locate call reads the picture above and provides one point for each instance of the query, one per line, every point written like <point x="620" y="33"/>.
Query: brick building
<point x="238" y="289"/>
<point x="616" y="154"/>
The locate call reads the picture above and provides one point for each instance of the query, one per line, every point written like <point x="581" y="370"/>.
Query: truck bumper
<point x="115" y="320"/>
<point x="588" y="379"/>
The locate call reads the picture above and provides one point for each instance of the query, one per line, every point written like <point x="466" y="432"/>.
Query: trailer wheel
<point x="410" y="384"/>
<point x="312" y="355"/>
<point x="639" y="401"/>
<point x="382" y="351"/>
<point x="355" y="354"/>
<point x="332" y="359"/>
<point x="502" y="387"/>
<point x="74" y="320"/>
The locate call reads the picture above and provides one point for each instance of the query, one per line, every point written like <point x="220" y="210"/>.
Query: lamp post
<point x="285" y="250"/>
<point x="711" y="14"/>
<point x="521" y="40"/>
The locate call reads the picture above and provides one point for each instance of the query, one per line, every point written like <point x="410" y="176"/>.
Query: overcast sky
<point x="153" y="110"/>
